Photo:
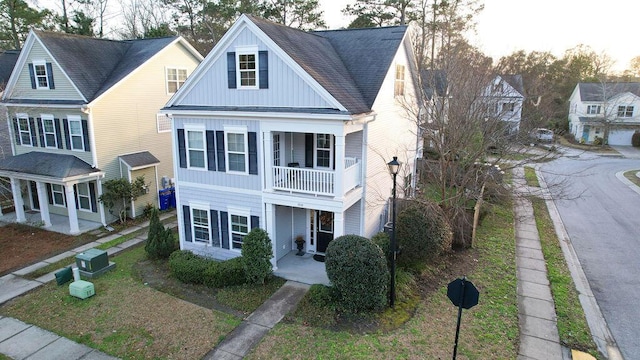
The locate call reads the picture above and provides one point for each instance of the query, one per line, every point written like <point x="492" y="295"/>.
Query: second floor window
<point x="398" y="89"/>
<point x="593" y="109"/>
<point x="508" y="107"/>
<point x="25" y="131"/>
<point x="236" y="152"/>
<point x="84" y="196"/>
<point x="49" y="131"/>
<point x="75" y="133"/>
<point x="324" y="150"/>
<point x="625" y="111"/>
<point x="196" y="149"/>
<point x="175" y="79"/>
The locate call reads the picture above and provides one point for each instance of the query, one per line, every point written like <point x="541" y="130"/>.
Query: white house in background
<point x="592" y="105"/>
<point x="291" y="131"/>
<point x="505" y="97"/>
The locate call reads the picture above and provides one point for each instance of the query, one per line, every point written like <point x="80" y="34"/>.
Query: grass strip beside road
<point x="530" y="176"/>
<point x="631" y="175"/>
<point x="572" y="324"/>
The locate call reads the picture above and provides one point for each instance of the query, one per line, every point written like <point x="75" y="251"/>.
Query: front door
<point x="324" y="230"/>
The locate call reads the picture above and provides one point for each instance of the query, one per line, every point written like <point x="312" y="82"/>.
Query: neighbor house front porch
<point x="59" y="223"/>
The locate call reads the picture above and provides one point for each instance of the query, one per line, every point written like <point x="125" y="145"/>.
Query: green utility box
<point x="82" y="289"/>
<point x="92" y="260"/>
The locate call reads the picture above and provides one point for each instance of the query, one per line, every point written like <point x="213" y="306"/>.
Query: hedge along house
<point x="291" y="131"/>
<point x="82" y="111"/>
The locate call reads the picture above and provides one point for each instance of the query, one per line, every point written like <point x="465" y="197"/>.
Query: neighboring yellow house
<point x="83" y="111"/>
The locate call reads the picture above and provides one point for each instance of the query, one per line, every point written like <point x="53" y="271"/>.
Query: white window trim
<point x="236" y="130"/>
<point x="25" y="117"/>
<point x="202" y="207"/>
<point x="277" y="149"/>
<point x="247" y="50"/>
<point x="53" y="195"/>
<point x="624" y="111"/>
<point x="78" y="196"/>
<point x="237" y="211"/>
<point x="315" y="151"/>
<point x="44" y="117"/>
<point x="201" y="129"/>
<point x="77" y="118"/>
<point x="398" y="81"/>
<point x="161" y="118"/>
<point x="593" y="109"/>
<point x="178" y="84"/>
<point x="46" y="74"/>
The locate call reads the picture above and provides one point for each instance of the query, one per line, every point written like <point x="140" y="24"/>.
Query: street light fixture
<point x="394" y="167"/>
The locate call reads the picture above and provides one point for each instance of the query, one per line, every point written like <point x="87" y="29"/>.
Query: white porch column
<point x="17" y="200"/>
<point x="338" y="224"/>
<point x="338" y="186"/>
<point x="74" y="229"/>
<point x="270" y="227"/>
<point x="103" y="220"/>
<point x="44" y="203"/>
<point x="267" y="140"/>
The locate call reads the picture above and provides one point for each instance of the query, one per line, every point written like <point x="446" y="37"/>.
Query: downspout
<point x="363" y="175"/>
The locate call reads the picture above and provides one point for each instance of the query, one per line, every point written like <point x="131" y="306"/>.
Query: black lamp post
<point x="394" y="166"/>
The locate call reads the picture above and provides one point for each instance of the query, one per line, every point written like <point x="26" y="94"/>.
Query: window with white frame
<point x="324" y="150"/>
<point x="164" y="123"/>
<point x="40" y="72"/>
<point x="57" y="193"/>
<point x="83" y="196"/>
<point x="276" y="150"/>
<point x="236" y="148"/>
<point x="75" y="132"/>
<point x="247" y="68"/>
<point x="196" y="149"/>
<point x="49" y="131"/>
<point x="239" y="229"/>
<point x="201" y="225"/>
<point x="508" y="107"/>
<point x="24" y="129"/>
<point x="593" y="109"/>
<point x="625" y="111"/>
<point x="398" y="89"/>
<point x="175" y="79"/>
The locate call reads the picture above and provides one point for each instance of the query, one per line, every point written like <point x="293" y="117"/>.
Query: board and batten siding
<point x="284" y="225"/>
<point x="286" y="88"/>
<point x="64" y="90"/>
<point x="392" y="133"/>
<point x="125" y="117"/>
<point x="219" y="178"/>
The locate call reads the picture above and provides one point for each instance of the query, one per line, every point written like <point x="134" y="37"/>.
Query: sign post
<point x="464" y="295"/>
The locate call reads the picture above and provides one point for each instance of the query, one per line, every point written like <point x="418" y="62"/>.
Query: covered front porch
<point x="59" y="223"/>
<point x="302" y="269"/>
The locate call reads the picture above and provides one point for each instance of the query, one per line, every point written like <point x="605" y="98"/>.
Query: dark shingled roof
<point x="350" y="64"/>
<point x="8" y="60"/>
<point x="47" y="164"/>
<point x="515" y="81"/>
<point x="143" y="158"/>
<point x="95" y="65"/>
<point x="603" y="91"/>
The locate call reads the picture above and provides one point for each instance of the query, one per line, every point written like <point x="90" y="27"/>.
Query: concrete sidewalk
<point x="21" y="341"/>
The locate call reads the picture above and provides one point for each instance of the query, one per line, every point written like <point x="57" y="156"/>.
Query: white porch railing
<point x="316" y="182"/>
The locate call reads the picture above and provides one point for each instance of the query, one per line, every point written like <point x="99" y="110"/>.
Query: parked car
<point x="542" y="135"/>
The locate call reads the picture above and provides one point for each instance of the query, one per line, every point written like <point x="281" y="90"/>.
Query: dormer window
<point x="41" y="74"/>
<point x="248" y="68"/>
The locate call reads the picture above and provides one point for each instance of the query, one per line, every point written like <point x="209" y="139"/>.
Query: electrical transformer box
<point x="92" y="260"/>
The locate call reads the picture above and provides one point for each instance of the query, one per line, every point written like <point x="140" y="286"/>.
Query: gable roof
<point x="600" y="92"/>
<point x="8" y="60"/>
<point x="515" y="81"/>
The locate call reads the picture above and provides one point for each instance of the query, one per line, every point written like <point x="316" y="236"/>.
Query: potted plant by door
<point x="300" y="244"/>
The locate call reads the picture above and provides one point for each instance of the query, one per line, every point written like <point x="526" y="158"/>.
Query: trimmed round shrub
<point x="635" y="139"/>
<point x="188" y="267"/>
<point x="382" y="240"/>
<point x="225" y="273"/>
<point x="423" y="233"/>
<point x="257" y="254"/>
<point x="358" y="270"/>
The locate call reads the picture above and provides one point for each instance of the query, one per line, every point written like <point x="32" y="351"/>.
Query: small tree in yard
<point x="160" y="241"/>
<point x="257" y="254"/>
<point x="119" y="193"/>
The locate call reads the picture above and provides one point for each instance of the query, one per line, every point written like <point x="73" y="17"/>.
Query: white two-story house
<point x="595" y="106"/>
<point x="505" y="97"/>
<point x="291" y="131"/>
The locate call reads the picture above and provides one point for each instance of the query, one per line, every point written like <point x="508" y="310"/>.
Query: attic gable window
<point x="175" y="79"/>
<point x="398" y="89"/>
<point x="248" y="68"/>
<point x="41" y="74"/>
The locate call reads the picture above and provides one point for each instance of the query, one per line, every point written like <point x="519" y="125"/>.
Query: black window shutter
<point x="56" y="123"/>
<point x="224" y="228"/>
<point x="308" y="150"/>
<point x="253" y="153"/>
<point x="186" y="213"/>
<point x="32" y="131"/>
<point x="231" y="70"/>
<point x="334" y="152"/>
<point x="85" y="135"/>
<point x="92" y="195"/>
<point x="220" y="150"/>
<point x="263" y="59"/>
<point x="40" y="132"/>
<point x="32" y="75"/>
<point x="50" y="194"/>
<point x="67" y="134"/>
<point x="75" y="195"/>
<point x="182" y="149"/>
<point x="255" y="222"/>
<point x="50" y="76"/>
<point x="215" y="235"/>
<point x="211" y="150"/>
<point x="16" y="131"/>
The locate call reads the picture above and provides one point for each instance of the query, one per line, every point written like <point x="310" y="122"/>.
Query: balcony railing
<point x="313" y="181"/>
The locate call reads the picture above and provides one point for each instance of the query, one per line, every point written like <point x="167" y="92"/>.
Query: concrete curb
<point x="597" y="324"/>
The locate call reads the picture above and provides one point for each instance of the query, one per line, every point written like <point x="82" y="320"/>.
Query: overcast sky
<point x="545" y="25"/>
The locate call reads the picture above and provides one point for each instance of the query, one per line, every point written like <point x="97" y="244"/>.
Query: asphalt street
<point x="602" y="217"/>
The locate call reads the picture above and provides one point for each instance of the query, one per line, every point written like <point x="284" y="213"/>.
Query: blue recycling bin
<point x="167" y="198"/>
